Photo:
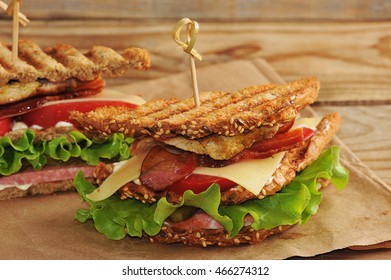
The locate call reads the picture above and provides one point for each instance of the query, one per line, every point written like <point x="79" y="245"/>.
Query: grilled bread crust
<point x="222" y="113"/>
<point x="61" y="62"/>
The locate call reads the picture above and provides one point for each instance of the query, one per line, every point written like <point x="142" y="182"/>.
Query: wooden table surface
<point x="352" y="59"/>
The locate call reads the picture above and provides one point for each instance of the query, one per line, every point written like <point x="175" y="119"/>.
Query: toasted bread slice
<point x="222" y="113"/>
<point x="63" y="61"/>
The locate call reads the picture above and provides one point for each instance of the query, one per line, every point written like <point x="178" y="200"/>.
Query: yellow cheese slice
<point x="307" y="122"/>
<point x="127" y="172"/>
<point x="251" y="174"/>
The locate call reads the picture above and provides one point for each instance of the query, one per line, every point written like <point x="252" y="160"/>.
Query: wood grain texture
<point x="352" y="60"/>
<point x="366" y="131"/>
<point x="222" y="10"/>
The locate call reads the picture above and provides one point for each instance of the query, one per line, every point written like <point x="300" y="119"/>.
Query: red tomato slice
<point x="199" y="183"/>
<point x="283" y="140"/>
<point x="47" y="116"/>
<point x="5" y="125"/>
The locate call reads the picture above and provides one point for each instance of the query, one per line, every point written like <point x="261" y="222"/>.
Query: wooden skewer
<point x="188" y="47"/>
<point x="23" y="20"/>
<point x="15" y="31"/>
<point x="13" y="10"/>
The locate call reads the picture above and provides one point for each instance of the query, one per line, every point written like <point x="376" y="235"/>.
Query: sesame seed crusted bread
<point x="222" y="113"/>
<point x="61" y="62"/>
<point x="37" y="189"/>
<point x="219" y="237"/>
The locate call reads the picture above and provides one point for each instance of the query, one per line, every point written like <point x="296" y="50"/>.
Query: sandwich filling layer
<point x="144" y="172"/>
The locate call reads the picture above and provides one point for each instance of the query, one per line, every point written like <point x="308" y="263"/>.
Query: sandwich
<point x="40" y="148"/>
<point x="237" y="169"/>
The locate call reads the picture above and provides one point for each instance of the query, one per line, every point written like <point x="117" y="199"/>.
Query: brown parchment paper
<point x="43" y="227"/>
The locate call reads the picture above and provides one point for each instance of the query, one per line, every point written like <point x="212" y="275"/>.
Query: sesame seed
<point x="226" y="133"/>
<point x="146" y="196"/>
<point x="204" y="244"/>
<point x="151" y="240"/>
<point x="168" y="131"/>
<point x="133" y="131"/>
<point x="247" y="237"/>
<point x="206" y="129"/>
<point x="240" y="122"/>
<point x="121" y="129"/>
<point x="126" y="131"/>
<point x="236" y="240"/>
<point x="159" y="124"/>
<point x="112" y="121"/>
<point x="193" y="122"/>
<point x="198" y="235"/>
<point x="257" y="235"/>
<point x="263" y="192"/>
<point x="183" y="126"/>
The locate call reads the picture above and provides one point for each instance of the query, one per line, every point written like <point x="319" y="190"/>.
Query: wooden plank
<point x="352" y="60"/>
<point x="365" y="130"/>
<point x="226" y="10"/>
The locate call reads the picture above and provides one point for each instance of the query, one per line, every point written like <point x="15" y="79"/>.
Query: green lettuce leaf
<point x="295" y="203"/>
<point x="26" y="150"/>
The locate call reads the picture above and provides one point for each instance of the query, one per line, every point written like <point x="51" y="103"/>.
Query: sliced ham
<point x="47" y="174"/>
<point x="202" y="221"/>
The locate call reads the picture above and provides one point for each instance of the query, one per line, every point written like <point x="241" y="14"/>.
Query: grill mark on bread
<point x="63" y="61"/>
<point x="46" y="65"/>
<point x="15" y="70"/>
<point x="227" y="114"/>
